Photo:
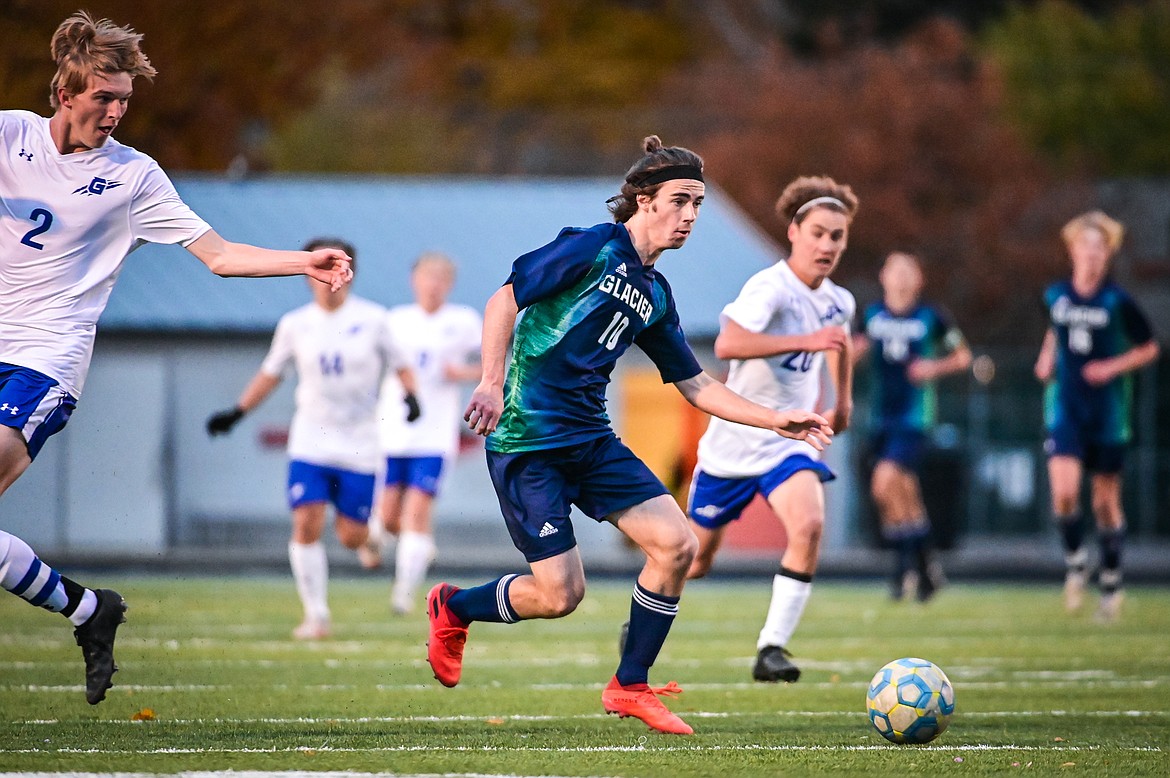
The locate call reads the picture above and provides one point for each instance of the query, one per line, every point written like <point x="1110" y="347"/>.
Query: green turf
<point x="229" y="690"/>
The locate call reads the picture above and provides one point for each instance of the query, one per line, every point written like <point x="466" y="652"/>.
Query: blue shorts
<point x="1072" y="441"/>
<point x="34" y="404"/>
<point x="537" y="488"/>
<point x="420" y="473"/>
<point x="900" y="445"/>
<point x="352" y="494"/>
<point x="715" y="502"/>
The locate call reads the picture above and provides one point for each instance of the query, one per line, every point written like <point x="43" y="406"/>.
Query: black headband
<point x="670" y="174"/>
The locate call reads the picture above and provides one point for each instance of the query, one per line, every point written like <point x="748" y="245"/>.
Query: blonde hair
<point x="1113" y="230"/>
<point x="435" y="259"/>
<point x="82" y="47"/>
<point x="805" y="189"/>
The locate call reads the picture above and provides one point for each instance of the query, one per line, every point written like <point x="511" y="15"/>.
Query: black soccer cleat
<point x="773" y="665"/>
<point x="96" y="638"/>
<point x="930" y="579"/>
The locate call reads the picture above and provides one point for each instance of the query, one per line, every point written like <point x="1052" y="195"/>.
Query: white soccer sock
<point x="311" y="573"/>
<point x="788" y="600"/>
<point x="411" y="560"/>
<point x="31" y="579"/>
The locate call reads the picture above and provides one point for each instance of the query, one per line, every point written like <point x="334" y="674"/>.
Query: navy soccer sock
<point x="1072" y="533"/>
<point x="1111" y="544"/>
<point x="650" y="618"/>
<point x="488" y="602"/>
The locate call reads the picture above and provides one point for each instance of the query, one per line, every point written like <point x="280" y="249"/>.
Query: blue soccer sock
<point x="908" y="541"/>
<point x="26" y="576"/>
<point x="488" y="602"/>
<point x="650" y="618"/>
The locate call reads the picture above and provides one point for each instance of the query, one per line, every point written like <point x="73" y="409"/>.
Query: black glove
<point x="221" y="423"/>
<point x="412" y="409"/>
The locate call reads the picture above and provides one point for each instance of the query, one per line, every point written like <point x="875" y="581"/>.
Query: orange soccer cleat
<point x="447" y="638"/>
<point x="641" y="701"/>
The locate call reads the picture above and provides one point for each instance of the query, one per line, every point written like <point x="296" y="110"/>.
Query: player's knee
<point x="807" y="529"/>
<point x="564" y="600"/>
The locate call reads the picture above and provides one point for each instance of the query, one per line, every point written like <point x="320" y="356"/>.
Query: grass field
<point x="209" y="664"/>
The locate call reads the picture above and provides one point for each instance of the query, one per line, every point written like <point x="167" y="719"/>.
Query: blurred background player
<point x="787" y="336"/>
<point x="73" y="204"/>
<point x="440" y="341"/>
<point x="589" y="295"/>
<point x="1097" y="337"/>
<point x="340" y="347"/>
<point x="911" y="344"/>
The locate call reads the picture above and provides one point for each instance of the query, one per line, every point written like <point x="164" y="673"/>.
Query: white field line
<point x="1114" y="683"/>
<point x="505" y="717"/>
<point x="641" y="747"/>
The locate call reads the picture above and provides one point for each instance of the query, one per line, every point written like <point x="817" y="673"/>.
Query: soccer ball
<point x="910" y="701"/>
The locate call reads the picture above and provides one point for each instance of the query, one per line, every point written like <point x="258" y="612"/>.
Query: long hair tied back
<point x="658" y="165"/>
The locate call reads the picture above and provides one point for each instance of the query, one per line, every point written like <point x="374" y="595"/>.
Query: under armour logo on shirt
<point x="28" y="155"/>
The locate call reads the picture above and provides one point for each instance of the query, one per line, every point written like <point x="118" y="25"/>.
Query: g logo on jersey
<point x="96" y="186"/>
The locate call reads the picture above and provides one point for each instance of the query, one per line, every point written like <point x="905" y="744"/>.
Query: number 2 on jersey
<point x="45" y="219"/>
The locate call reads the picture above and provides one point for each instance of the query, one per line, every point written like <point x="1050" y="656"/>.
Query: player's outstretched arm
<point x="709" y="395"/>
<point x="737" y="342"/>
<point x="257" y="390"/>
<point x="328" y="265"/>
<point x="487" y="401"/>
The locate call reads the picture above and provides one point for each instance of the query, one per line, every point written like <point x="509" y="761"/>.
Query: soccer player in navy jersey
<point x="911" y="344"/>
<point x="589" y="295"/>
<point x="1097" y="337"/>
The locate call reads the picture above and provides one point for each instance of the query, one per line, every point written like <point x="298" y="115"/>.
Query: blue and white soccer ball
<point x="910" y="701"/>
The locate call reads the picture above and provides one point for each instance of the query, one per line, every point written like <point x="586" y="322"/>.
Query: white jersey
<point x="340" y="358"/>
<point x="67" y="222"/>
<point x="774" y="302"/>
<point x="431" y="341"/>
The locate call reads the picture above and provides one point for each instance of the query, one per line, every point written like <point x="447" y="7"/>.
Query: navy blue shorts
<point x="902" y="446"/>
<point x="1071" y="441"/>
<point x="351" y="493"/>
<point x="537" y="488"/>
<point x="420" y="473"/>
<point x="34" y="404"/>
<point x="715" y="501"/>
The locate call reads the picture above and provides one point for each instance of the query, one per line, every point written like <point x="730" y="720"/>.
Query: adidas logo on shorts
<point x="547" y="530"/>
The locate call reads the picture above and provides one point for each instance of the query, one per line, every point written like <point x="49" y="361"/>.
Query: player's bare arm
<point x="1046" y="360"/>
<point x="1099" y="372"/>
<point x="737" y="342"/>
<point x="487" y="401"/>
<point x="840" y="365"/>
<point x="327" y="265"/>
<point x="711" y="396"/>
<point x="921" y="370"/>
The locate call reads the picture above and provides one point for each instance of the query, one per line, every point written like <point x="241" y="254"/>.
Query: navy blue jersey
<point x="588" y="297"/>
<point x="1103" y="325"/>
<point x="896" y="341"/>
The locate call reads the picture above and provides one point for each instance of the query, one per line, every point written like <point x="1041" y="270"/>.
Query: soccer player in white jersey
<point x="441" y="343"/>
<point x="73" y="204"/>
<point x="341" y="348"/>
<point x="787" y="336"/>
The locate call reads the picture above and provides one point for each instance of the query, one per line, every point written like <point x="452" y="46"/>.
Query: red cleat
<point x="641" y="701"/>
<point x="448" y="635"/>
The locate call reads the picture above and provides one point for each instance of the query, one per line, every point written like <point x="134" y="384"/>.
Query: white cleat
<point x="1074" y="590"/>
<point x="312" y="629"/>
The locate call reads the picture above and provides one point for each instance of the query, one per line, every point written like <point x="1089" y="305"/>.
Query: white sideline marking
<point x="1111" y="683"/>
<point x="505" y="717"/>
<point x="571" y="749"/>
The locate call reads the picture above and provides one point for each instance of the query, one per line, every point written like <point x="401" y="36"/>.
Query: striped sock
<point x="488" y="602"/>
<point x="651" y="616"/>
<point x="26" y="576"/>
